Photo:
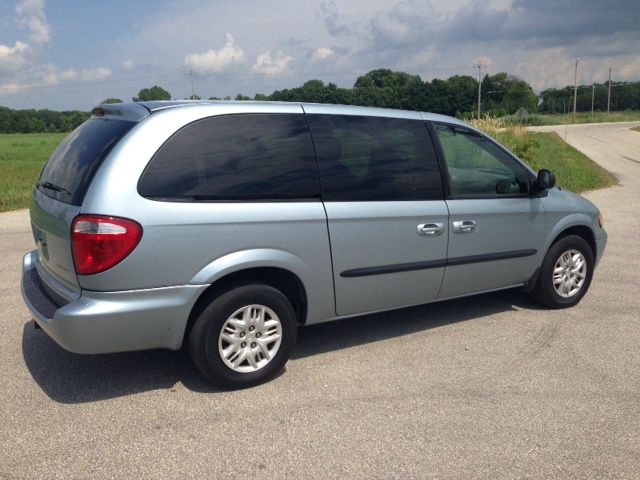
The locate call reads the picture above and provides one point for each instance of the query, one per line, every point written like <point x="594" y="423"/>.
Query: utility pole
<point x="593" y="96"/>
<point x="609" y="94"/>
<point x="479" y="67"/>
<point x="191" y="74"/>
<point x="575" y="91"/>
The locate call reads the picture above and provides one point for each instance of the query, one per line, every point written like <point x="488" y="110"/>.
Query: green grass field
<point x="539" y="119"/>
<point x="21" y="159"/>
<point x="23" y="155"/>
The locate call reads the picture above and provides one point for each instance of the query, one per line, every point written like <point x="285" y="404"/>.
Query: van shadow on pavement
<point x="70" y="378"/>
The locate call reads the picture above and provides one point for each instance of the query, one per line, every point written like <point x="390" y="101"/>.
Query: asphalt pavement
<point x="492" y="386"/>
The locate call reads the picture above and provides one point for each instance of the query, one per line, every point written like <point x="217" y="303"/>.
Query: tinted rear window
<point x="69" y="171"/>
<point x="228" y="157"/>
<point x="375" y="158"/>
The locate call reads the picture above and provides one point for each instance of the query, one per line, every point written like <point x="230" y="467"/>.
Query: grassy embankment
<point x="574" y="171"/>
<point x="23" y="155"/>
<point x="21" y="159"/>
<point x="539" y="119"/>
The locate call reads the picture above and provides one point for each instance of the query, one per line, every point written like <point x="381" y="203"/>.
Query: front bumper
<point x="601" y="244"/>
<point x="107" y="322"/>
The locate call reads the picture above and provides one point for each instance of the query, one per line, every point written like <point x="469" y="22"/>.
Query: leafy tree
<point x="437" y="98"/>
<point x="386" y="88"/>
<point x="462" y="91"/>
<point x="153" y="93"/>
<point x="313" y="91"/>
<point x="494" y="89"/>
<point x="111" y="100"/>
<point x="519" y="94"/>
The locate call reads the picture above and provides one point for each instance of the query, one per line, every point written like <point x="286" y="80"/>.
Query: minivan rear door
<point x="386" y="215"/>
<point x="58" y="196"/>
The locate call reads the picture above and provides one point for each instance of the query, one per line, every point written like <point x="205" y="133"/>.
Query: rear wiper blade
<point x="55" y="188"/>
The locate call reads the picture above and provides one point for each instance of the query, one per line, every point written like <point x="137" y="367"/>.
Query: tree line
<point x="39" y="121"/>
<point x="502" y="94"/>
<point x="624" y="96"/>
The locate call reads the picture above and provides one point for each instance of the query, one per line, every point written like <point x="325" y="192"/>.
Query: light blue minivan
<point x="224" y="226"/>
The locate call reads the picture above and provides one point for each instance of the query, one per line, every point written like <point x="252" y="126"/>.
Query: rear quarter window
<point x="68" y="173"/>
<point x="235" y="157"/>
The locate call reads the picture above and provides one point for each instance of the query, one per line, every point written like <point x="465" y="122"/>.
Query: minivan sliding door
<point x="387" y="219"/>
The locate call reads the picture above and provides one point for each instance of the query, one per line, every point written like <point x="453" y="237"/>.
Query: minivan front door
<point x="496" y="227"/>
<point x="386" y="215"/>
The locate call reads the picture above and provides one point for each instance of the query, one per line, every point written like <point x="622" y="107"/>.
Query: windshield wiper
<point x="55" y="188"/>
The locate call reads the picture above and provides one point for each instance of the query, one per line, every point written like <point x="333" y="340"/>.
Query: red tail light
<point x="100" y="242"/>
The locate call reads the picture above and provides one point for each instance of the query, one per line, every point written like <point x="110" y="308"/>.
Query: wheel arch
<point x="278" y="269"/>
<point x="574" y="225"/>
<point x="580" y="230"/>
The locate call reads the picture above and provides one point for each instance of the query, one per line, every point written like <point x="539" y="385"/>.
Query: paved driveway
<point x="486" y="387"/>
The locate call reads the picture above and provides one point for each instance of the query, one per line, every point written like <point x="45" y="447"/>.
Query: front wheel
<point x="244" y="337"/>
<point x="566" y="273"/>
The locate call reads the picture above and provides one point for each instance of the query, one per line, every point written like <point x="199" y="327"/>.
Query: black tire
<point x="205" y="334"/>
<point x="545" y="291"/>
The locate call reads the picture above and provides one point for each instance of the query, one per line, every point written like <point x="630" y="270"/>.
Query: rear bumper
<point x="107" y="322"/>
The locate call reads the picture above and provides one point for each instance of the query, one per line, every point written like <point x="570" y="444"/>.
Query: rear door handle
<point x="430" y="229"/>
<point x="465" y="226"/>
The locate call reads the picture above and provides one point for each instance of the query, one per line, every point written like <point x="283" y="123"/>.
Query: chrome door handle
<point x="430" y="229"/>
<point x="465" y="226"/>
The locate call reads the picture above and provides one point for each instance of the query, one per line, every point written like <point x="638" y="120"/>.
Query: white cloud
<point x="94" y="75"/>
<point x="127" y="64"/>
<point x="484" y="61"/>
<point x="272" y="66"/>
<point x="52" y="76"/>
<point x="629" y="71"/>
<point x="30" y="14"/>
<point x="69" y="74"/>
<point x="12" y="58"/>
<point x="321" y="53"/>
<point x="9" y="88"/>
<point x="546" y="68"/>
<point x="213" y="61"/>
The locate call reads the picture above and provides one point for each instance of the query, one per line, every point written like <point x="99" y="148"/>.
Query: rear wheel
<point x="244" y="337"/>
<point x="566" y="273"/>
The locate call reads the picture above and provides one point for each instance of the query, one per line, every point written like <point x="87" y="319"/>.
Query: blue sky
<point x="70" y="55"/>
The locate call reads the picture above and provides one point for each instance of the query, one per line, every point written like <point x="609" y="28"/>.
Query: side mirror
<point x="545" y="180"/>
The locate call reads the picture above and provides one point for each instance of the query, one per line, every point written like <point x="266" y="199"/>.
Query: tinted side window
<point x="374" y="158"/>
<point x="69" y="171"/>
<point x="479" y="167"/>
<point x="241" y="156"/>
